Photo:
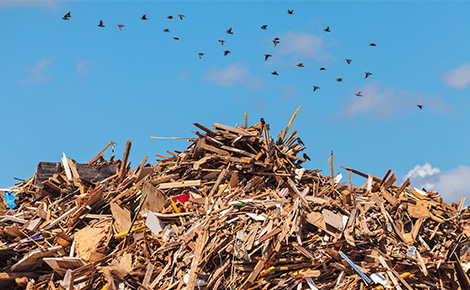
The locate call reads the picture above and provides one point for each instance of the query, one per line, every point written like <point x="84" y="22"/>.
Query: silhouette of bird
<point x="264" y="27"/>
<point x="221" y="42"/>
<point x="200" y="55"/>
<point x="339" y="80"/>
<point x="420" y="107"/>
<point x="262" y="121"/>
<point x="226" y="52"/>
<point x="348" y="61"/>
<point x="373" y="44"/>
<point x="181" y="16"/>
<point x="275" y="73"/>
<point x="315" y="88"/>
<point x="276" y="41"/>
<point x="176" y="38"/>
<point x="266" y="56"/>
<point x="300" y="64"/>
<point x="306" y="157"/>
<point x="290" y="11"/>
<point x="300" y="141"/>
<point x="166" y="30"/>
<point x="170" y="17"/>
<point x="327" y="29"/>
<point x="322" y="68"/>
<point x="101" y="23"/>
<point x="229" y="31"/>
<point x="120" y="26"/>
<point x="359" y="94"/>
<point x="66" y="16"/>
<point x="144" y="17"/>
<point x="368" y="74"/>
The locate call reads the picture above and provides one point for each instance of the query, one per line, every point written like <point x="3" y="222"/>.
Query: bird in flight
<point x="420" y="107"/>
<point x="266" y="56"/>
<point x="200" y="55"/>
<point x="290" y="11"/>
<point x="229" y="31"/>
<point x="144" y="17"/>
<point x="348" y="61"/>
<point x="101" y="24"/>
<point x="181" y="16"/>
<point x="120" y="26"/>
<point x="300" y="64"/>
<point x="315" y="88"/>
<point x="264" y="27"/>
<point x="339" y="80"/>
<point x="275" y="73"/>
<point x="221" y="42"/>
<point x="170" y="17"/>
<point x="327" y="29"/>
<point x="322" y="68"/>
<point x="166" y="30"/>
<point x="368" y="74"/>
<point x="176" y="38"/>
<point x="276" y="41"/>
<point x="226" y="52"/>
<point x="66" y="16"/>
<point x="359" y="94"/>
<point x="373" y="44"/>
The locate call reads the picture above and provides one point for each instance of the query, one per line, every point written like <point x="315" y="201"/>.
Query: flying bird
<point x="276" y="41"/>
<point x="322" y="68"/>
<point x="229" y="31"/>
<point x="200" y="55"/>
<point x="315" y="88"/>
<point x="290" y="11"/>
<point x="300" y="64"/>
<point x="166" y="30"/>
<point x="339" y="80"/>
<point x="170" y="17"/>
<point x="348" y="61"/>
<point x="264" y="27"/>
<point x="420" y="107"/>
<point x="275" y="73"/>
<point x="266" y="56"/>
<point x="176" y="38"/>
<point x="181" y="16"/>
<point x="368" y="74"/>
<point x="226" y="52"/>
<point x="306" y="157"/>
<point x="327" y="29"/>
<point x="221" y="42"/>
<point x="359" y="94"/>
<point x="101" y="24"/>
<point x="144" y="17"/>
<point x="66" y="16"/>
<point x="373" y="44"/>
<point x="120" y="26"/>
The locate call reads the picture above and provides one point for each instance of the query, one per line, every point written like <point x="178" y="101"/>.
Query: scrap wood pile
<point x="236" y="210"/>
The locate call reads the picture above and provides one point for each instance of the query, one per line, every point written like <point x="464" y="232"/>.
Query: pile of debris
<point x="236" y="210"/>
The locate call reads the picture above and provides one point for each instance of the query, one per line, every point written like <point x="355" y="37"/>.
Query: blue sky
<point x="71" y="86"/>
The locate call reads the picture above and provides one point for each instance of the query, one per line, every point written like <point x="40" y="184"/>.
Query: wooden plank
<point x="238" y="131"/>
<point x="94" y="159"/>
<point x="122" y="169"/>
<point x="213" y="149"/>
<point x="290" y="123"/>
<point x="179" y="184"/>
<point x="200" y="243"/>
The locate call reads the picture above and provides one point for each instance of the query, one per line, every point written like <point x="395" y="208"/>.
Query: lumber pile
<point x="236" y="210"/>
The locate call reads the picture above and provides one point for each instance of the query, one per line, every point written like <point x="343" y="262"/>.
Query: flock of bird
<point x="275" y="41"/>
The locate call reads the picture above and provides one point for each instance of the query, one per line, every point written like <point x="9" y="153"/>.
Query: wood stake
<point x="290" y="123"/>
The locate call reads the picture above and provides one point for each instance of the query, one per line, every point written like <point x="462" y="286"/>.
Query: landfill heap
<point x="236" y="210"/>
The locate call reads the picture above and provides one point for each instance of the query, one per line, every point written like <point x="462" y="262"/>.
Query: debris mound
<point x="236" y="210"/>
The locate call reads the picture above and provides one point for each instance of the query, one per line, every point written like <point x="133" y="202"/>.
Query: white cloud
<point x="37" y="73"/>
<point x="452" y="185"/>
<point x="381" y="103"/>
<point x="83" y="68"/>
<point x="290" y="92"/>
<point x="232" y="76"/>
<point x="458" y="77"/>
<point x="301" y="45"/>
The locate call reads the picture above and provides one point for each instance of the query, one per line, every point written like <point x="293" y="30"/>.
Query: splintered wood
<point x="236" y="210"/>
